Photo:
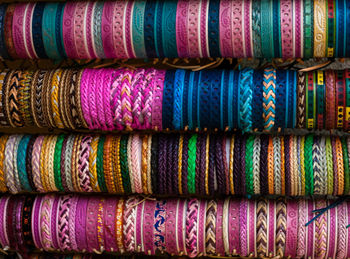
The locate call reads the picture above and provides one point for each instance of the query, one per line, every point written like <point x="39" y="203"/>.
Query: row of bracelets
<point x="125" y="99"/>
<point x="180" y="28"/>
<point x="193" y="227"/>
<point x="176" y="164"/>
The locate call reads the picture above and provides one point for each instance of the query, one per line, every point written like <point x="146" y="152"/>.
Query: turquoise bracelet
<point x="49" y="31"/>
<point x="267" y="40"/>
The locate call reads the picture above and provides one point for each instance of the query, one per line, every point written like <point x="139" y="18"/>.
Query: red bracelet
<point x="330" y="100"/>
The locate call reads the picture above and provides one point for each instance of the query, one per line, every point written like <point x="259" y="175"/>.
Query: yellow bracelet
<point x="92" y="164"/>
<point x="320" y="28"/>
<point x="340" y="166"/>
<point x="144" y="163"/>
<point x="149" y="157"/>
<point x="3" y="141"/>
<point x="302" y="165"/>
<point x="75" y="163"/>
<point x="51" y="155"/>
<point x="119" y="225"/>
<point x="283" y="182"/>
<point x="181" y="143"/>
<point x="114" y="165"/>
<point x="232" y="147"/>
<point x="207" y="165"/>
<point x="55" y="85"/>
<point x="43" y="161"/>
<point x="118" y="171"/>
<point x="270" y="167"/>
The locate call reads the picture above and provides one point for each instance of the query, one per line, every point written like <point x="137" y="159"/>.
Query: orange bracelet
<point x="283" y="185"/>
<point x="340" y="166"/>
<point x="92" y="164"/>
<point x="144" y="163"/>
<point x="181" y="143"/>
<point x="119" y="225"/>
<point x="43" y="168"/>
<point x="107" y="164"/>
<point x="118" y="171"/>
<point x="270" y="167"/>
<point x="114" y="165"/>
<point x="207" y="165"/>
<point x="3" y="141"/>
<point x="232" y="147"/>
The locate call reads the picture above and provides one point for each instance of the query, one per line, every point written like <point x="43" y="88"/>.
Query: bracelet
<point x="269" y="98"/>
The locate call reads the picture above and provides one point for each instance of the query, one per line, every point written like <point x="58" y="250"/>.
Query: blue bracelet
<point x="230" y="100"/>
<point x="3" y="50"/>
<point x="195" y="100"/>
<point x="280" y="98"/>
<point x="149" y="18"/>
<point x="245" y="100"/>
<point x="256" y="28"/>
<point x="190" y="98"/>
<point x="97" y="29"/>
<point x="267" y="29"/>
<point x="347" y="24"/>
<point x="287" y="100"/>
<point x="21" y="163"/>
<point x="184" y="121"/>
<point x="213" y="28"/>
<point x="169" y="29"/>
<point x="49" y="31"/>
<point x="138" y="28"/>
<point x="224" y="95"/>
<point x="257" y="113"/>
<point x="340" y="48"/>
<point x="295" y="99"/>
<point x="215" y="82"/>
<point x="199" y="100"/>
<point x="158" y="41"/>
<point x="168" y="99"/>
<point x="178" y="91"/>
<point x="37" y="30"/>
<point x="205" y="99"/>
<point x="59" y="30"/>
<point x="276" y="29"/>
<point x="235" y="98"/>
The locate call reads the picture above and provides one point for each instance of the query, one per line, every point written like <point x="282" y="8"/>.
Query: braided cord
<point x="124" y="164"/>
<point x="261" y="227"/>
<point x="309" y="185"/>
<point x="256" y="164"/>
<point x="126" y="99"/>
<point x="231" y="161"/>
<point x="92" y="164"/>
<point x="3" y="141"/>
<point x="99" y="164"/>
<point x="129" y="223"/>
<point x="281" y="227"/>
<point x="302" y="165"/>
<point x="340" y="166"/>
<point x="316" y="156"/>
<point x="249" y="164"/>
<point x="346" y="167"/>
<point x="321" y="231"/>
<point x="55" y="84"/>
<point x="270" y="166"/>
<point x="191" y="176"/>
<point x="277" y="164"/>
<point x="191" y="228"/>
<point x="269" y="98"/>
<point x="329" y="157"/>
<point x="246" y="97"/>
<point x="210" y="228"/>
<point x="56" y="162"/>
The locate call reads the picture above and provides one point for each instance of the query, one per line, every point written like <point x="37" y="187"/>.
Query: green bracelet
<point x="308" y="29"/>
<point x="346" y="167"/>
<point x="123" y="154"/>
<point x="309" y="179"/>
<point x="249" y="165"/>
<point x="99" y="164"/>
<point x="57" y="162"/>
<point x="329" y="158"/>
<point x="191" y="168"/>
<point x="267" y="29"/>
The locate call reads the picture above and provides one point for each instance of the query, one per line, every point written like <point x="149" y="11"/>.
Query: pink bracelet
<point x="110" y="211"/>
<point x="226" y="28"/>
<point x="181" y="28"/>
<point x="148" y="99"/>
<point x="126" y="98"/>
<point x="348" y="229"/>
<point x="171" y="226"/>
<point x="148" y="220"/>
<point x="45" y="222"/>
<point x="137" y="84"/>
<point x="136" y="147"/>
<point x="158" y="100"/>
<point x="36" y="163"/>
<point x="191" y="228"/>
<point x="84" y="95"/>
<point x="82" y="51"/>
<point x="116" y="100"/>
<point x="271" y="228"/>
<point x="301" y="228"/>
<point x="128" y="31"/>
<point x="18" y="28"/>
<point x="247" y="37"/>
<point x="63" y="222"/>
<point x="204" y="48"/>
<point x="92" y="100"/>
<point x="83" y="165"/>
<point x="139" y="244"/>
<point x="107" y="29"/>
<point x="91" y="224"/>
<point x="292" y="226"/>
<point x="342" y="231"/>
<point x="129" y="218"/>
<point x="72" y="216"/>
<point x="90" y="32"/>
<point x="298" y="25"/>
<point x="68" y="29"/>
<point x="237" y="28"/>
<point x="119" y="50"/>
<point x="3" y="236"/>
<point x="287" y="28"/>
<point x="108" y="74"/>
<point x="54" y="214"/>
<point x="219" y="232"/>
<point x="201" y="227"/>
<point x="101" y="119"/>
<point x="181" y="226"/>
<point x="35" y="221"/>
<point x="310" y="229"/>
<point x="251" y="235"/>
<point x="234" y="227"/>
<point x="193" y="19"/>
<point x="243" y="226"/>
<point x="80" y="223"/>
<point x="332" y="243"/>
<point x="100" y="225"/>
<point x="28" y="39"/>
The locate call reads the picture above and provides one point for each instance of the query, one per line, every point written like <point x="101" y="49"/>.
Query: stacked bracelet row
<point x="176" y="164"/>
<point x="124" y="99"/>
<point x="192" y="227"/>
<point x="180" y="28"/>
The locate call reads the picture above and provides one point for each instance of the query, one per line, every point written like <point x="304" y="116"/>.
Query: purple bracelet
<point x="80" y="223"/>
<point x="35" y="222"/>
<point x="158" y="100"/>
<point x="3" y="237"/>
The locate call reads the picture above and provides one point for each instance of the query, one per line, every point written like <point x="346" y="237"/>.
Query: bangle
<point x="45" y="224"/>
<point x="269" y="99"/>
<point x="276" y="143"/>
<point x="249" y="159"/>
<point x="124" y="164"/>
<point x="301" y="113"/>
<point x="246" y="95"/>
<point x="55" y="84"/>
<point x="144" y="164"/>
<point x="119" y="225"/>
<point x="129" y="221"/>
<point x="320" y="28"/>
<point x="13" y="113"/>
<point x="3" y="51"/>
<point x="320" y="97"/>
<point x="3" y="142"/>
<point x="107" y="164"/>
<point x="264" y="186"/>
<point x="57" y="164"/>
<point x="287" y="29"/>
<point x="310" y="101"/>
<point x="118" y="168"/>
<point x="330" y="99"/>
<point x="340" y="166"/>
<point x="256" y="164"/>
<point x="266" y="29"/>
<point x="340" y="98"/>
<point x="21" y="163"/>
<point x="340" y="28"/>
<point x="329" y="160"/>
<point x="316" y="154"/>
<point x="92" y="164"/>
<point x="24" y="98"/>
<point x="8" y="165"/>
<point x="261" y="227"/>
<point x="331" y="23"/>
<point x="115" y="163"/>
